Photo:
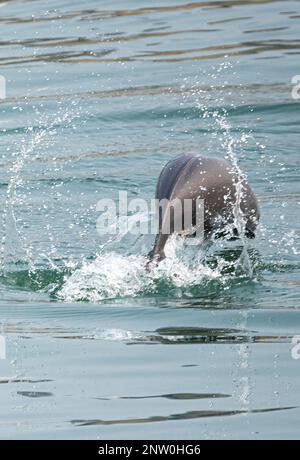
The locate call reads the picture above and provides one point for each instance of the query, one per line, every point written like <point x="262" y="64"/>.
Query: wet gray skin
<point x="214" y="181"/>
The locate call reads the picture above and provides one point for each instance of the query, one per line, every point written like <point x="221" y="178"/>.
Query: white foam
<point x="113" y="275"/>
<point x="109" y="276"/>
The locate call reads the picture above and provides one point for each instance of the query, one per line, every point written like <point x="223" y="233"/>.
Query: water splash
<point x="14" y="245"/>
<point x="110" y="275"/>
<point x="185" y="269"/>
<point x="185" y="272"/>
